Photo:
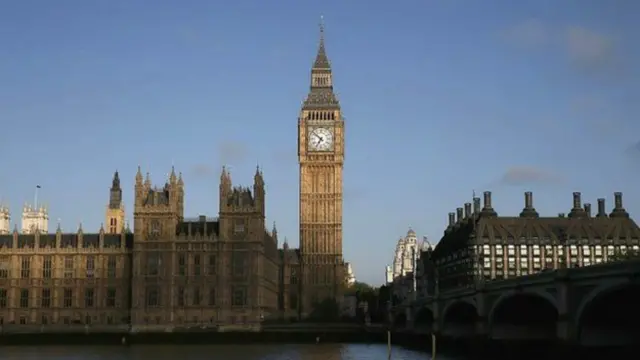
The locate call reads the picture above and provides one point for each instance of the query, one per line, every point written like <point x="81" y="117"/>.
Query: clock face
<point x="320" y="139"/>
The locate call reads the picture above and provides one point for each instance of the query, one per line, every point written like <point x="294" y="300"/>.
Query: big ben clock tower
<point x="321" y="158"/>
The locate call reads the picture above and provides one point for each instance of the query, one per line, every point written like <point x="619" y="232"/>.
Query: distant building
<point x="35" y="219"/>
<point x="479" y="245"/>
<point x="402" y="260"/>
<point x="351" y="277"/>
<point x="5" y="220"/>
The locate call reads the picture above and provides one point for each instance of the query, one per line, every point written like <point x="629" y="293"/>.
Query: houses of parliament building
<point x="170" y="271"/>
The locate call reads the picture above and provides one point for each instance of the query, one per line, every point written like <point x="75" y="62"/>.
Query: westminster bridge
<point x="598" y="305"/>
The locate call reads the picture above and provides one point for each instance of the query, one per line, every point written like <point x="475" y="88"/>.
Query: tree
<point x="326" y="310"/>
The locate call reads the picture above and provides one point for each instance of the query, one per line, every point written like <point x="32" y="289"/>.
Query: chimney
<point x="202" y="218"/>
<point x="528" y="200"/>
<point x="476" y="205"/>
<point x="577" y="201"/>
<point x="561" y="215"/>
<point x="452" y="218"/>
<point x="617" y="196"/>
<point x="602" y="211"/>
<point x="587" y="209"/>
<point x="528" y="211"/>
<point x="459" y="212"/>
<point x="618" y="209"/>
<point x="467" y="210"/>
<point x="487" y="200"/>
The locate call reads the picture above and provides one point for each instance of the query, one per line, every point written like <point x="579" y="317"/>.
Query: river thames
<point x="217" y="352"/>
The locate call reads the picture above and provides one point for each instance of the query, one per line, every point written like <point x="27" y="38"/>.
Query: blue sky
<point x="440" y="98"/>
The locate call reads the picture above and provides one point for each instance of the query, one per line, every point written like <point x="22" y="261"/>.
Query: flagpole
<point x="35" y="199"/>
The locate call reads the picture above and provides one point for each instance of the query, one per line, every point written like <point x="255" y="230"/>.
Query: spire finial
<point x="322" y="62"/>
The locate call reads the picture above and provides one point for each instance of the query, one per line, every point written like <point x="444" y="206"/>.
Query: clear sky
<point x="440" y="98"/>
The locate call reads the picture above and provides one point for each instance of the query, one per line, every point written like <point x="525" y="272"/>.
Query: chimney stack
<point x="528" y="211"/>
<point x="528" y="200"/>
<point x="452" y="218"/>
<point x="476" y="205"/>
<point x="618" y="209"/>
<point x="487" y="200"/>
<point x="587" y="209"/>
<point x="459" y="211"/>
<point x="561" y="215"/>
<point x="577" y="201"/>
<point x="602" y="211"/>
<point x="617" y="200"/>
<point x="467" y="210"/>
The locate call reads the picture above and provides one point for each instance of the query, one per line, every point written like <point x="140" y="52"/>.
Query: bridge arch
<point x="459" y="319"/>
<point x="524" y="315"/>
<point x="460" y="311"/>
<point x="609" y="314"/>
<point x="424" y="317"/>
<point x="400" y="321"/>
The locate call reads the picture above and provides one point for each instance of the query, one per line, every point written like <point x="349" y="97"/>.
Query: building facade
<point x="35" y="219"/>
<point x="321" y="160"/>
<point x="221" y="271"/>
<point x="171" y="271"/>
<point x="479" y="245"/>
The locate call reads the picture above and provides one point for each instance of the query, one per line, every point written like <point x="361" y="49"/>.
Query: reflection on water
<point x="218" y="352"/>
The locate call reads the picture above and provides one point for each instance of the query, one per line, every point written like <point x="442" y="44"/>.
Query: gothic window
<point x="182" y="265"/>
<point x="153" y="263"/>
<point x="68" y="297"/>
<point x="239" y="296"/>
<point x="45" y="302"/>
<point x="111" y="266"/>
<point x="196" y="297"/>
<point x="3" y="298"/>
<point x="90" y="266"/>
<point x="152" y="296"/>
<point x="238" y="226"/>
<point x="212" y="296"/>
<point x="212" y="265"/>
<point x="197" y="266"/>
<point x="154" y="230"/>
<point x="89" y="297"/>
<point x="4" y="267"/>
<point x="47" y="267"/>
<point x="239" y="264"/>
<point x="180" y="296"/>
<point x="68" y="267"/>
<point x="24" y="298"/>
<point x="25" y="267"/>
<point x="111" y="297"/>
<point x="293" y="280"/>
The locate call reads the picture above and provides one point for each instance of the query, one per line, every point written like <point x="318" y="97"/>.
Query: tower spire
<point x="322" y="61"/>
